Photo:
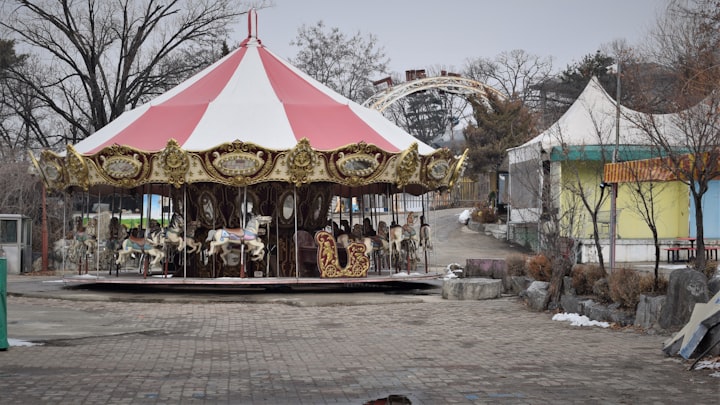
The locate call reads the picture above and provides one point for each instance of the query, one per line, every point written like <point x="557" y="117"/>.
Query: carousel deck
<point x="157" y="278"/>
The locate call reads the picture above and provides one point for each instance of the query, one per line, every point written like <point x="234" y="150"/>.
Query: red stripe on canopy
<point x="314" y="115"/>
<point x="178" y="116"/>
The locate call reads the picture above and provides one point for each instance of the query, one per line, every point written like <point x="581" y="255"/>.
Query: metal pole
<point x="295" y="215"/>
<point x="613" y="189"/>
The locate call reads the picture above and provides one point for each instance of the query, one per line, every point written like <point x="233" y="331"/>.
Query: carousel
<point x="254" y="158"/>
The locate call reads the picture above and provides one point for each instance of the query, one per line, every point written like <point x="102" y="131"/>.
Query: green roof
<point x="598" y="153"/>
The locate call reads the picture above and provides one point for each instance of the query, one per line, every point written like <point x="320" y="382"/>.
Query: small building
<point x="16" y="242"/>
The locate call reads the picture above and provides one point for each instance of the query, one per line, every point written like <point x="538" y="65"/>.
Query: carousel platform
<point x="130" y="277"/>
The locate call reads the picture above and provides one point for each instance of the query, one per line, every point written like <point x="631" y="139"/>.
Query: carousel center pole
<point x="243" y="212"/>
<point x="295" y="215"/>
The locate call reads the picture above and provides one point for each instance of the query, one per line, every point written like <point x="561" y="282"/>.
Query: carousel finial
<point x="252" y="23"/>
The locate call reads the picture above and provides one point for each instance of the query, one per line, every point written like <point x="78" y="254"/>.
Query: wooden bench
<point x="711" y="252"/>
<point x="673" y="253"/>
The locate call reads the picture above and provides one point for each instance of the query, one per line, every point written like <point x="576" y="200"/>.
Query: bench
<point x="674" y="253"/>
<point x="711" y="252"/>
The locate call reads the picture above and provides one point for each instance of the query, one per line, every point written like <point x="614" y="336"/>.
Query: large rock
<point x="686" y="288"/>
<point x="536" y="295"/>
<point x="518" y="284"/>
<point x="471" y="289"/>
<point x="648" y="311"/>
<point x="714" y="285"/>
<point x="489" y="268"/>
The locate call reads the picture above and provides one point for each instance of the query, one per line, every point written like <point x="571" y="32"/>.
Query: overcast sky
<point x="423" y="34"/>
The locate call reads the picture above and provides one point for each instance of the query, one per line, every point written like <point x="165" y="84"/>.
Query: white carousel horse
<point x="344" y="240"/>
<point x="425" y="237"/>
<point x="224" y="238"/>
<point x="405" y="234"/>
<point x="152" y="245"/>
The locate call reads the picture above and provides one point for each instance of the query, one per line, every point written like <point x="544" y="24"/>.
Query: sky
<point x="423" y="34"/>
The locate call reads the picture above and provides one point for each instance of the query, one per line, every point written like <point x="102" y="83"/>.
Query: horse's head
<point x="256" y="221"/>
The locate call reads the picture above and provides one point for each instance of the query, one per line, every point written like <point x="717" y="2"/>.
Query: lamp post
<point x="614" y="188"/>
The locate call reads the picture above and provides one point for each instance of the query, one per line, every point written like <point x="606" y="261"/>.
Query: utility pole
<point x="614" y="186"/>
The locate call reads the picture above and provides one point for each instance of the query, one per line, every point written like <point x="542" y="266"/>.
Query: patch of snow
<point x="405" y="274"/>
<point x="579" y="320"/>
<point x="464" y="217"/>
<point x="18" y="343"/>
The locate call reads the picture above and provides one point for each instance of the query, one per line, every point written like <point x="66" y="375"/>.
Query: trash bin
<point x="3" y="304"/>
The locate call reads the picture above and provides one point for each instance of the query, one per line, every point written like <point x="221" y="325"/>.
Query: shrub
<point x="625" y="287"/>
<point x="647" y="284"/>
<point x="539" y="267"/>
<point x="515" y="264"/>
<point x="584" y="277"/>
<point x="601" y="290"/>
<point x="710" y="268"/>
<point x="484" y="213"/>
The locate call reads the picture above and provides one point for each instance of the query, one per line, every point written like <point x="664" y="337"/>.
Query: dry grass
<point x="584" y="276"/>
<point x="539" y="268"/>
<point x="516" y="265"/>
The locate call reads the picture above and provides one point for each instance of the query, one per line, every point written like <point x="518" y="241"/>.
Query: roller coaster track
<point x="451" y="84"/>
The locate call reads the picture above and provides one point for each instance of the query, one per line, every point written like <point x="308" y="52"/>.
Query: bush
<point x="484" y="213"/>
<point x="515" y="264"/>
<point x="601" y="290"/>
<point x="539" y="268"/>
<point x="710" y="268"/>
<point x="584" y="277"/>
<point x="647" y="284"/>
<point x="625" y="287"/>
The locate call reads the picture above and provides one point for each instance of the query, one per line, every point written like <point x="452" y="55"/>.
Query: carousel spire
<point x="252" y="26"/>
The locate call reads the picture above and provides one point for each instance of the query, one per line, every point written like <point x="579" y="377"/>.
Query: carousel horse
<point x="153" y="245"/>
<point x="425" y="236"/>
<point x="344" y="240"/>
<point x="406" y="236"/>
<point x="190" y="242"/>
<point x="174" y="232"/>
<point x="224" y="238"/>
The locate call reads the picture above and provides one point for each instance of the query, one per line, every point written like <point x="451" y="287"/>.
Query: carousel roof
<point x="248" y="110"/>
<point x="254" y="96"/>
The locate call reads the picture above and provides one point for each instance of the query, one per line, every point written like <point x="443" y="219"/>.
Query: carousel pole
<point x="146" y="264"/>
<point x="242" y="221"/>
<point x="277" y="243"/>
<point x="166" y="246"/>
<point x="97" y="238"/>
<point x="185" y="220"/>
<point x="87" y="211"/>
<point x="405" y="211"/>
<point x="421" y="225"/>
<point x="117" y="266"/>
<point x="295" y="215"/>
<point x="64" y="234"/>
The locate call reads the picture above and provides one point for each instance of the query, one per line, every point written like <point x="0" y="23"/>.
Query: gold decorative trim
<point x="237" y="163"/>
<point x="301" y="162"/>
<point x="175" y="162"/>
<point x="120" y="167"/>
<point x="459" y="169"/>
<point x="407" y="164"/>
<point x="358" y="164"/>
<point x="77" y="167"/>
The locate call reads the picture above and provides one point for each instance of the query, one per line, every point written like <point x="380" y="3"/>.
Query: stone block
<point x="648" y="311"/>
<point x="489" y="268"/>
<point x="536" y="295"/>
<point x="686" y="288"/>
<point x="471" y="289"/>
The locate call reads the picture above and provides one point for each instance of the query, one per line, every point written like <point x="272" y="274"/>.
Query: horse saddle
<point x="408" y="231"/>
<point x="238" y="234"/>
<point x="140" y="242"/>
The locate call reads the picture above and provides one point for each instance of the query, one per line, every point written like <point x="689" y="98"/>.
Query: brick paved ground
<point x="432" y="351"/>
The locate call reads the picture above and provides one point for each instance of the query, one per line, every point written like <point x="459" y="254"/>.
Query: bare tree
<point x="345" y="64"/>
<point x="99" y="58"/>
<point x="688" y="39"/>
<point x="514" y="73"/>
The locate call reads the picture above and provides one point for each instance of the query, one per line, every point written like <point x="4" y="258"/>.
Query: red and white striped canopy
<point x="253" y="96"/>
